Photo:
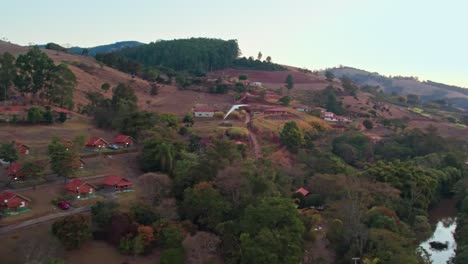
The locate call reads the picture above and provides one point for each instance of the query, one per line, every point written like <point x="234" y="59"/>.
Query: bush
<point x="72" y="230"/>
<point x="243" y="77"/>
<point x="368" y="124"/>
<point x="172" y="256"/>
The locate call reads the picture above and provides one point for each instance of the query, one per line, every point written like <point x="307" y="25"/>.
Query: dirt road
<point x="39" y="220"/>
<point x="253" y="138"/>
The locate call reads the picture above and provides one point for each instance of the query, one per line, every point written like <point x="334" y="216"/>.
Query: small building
<point x="203" y="112"/>
<point x="95" y="143"/>
<point x="342" y="119"/>
<point x="124" y="141"/>
<point x="14" y="171"/>
<point x="256" y="84"/>
<point x="302" y="191"/>
<point x="303" y="108"/>
<point x="80" y="189"/>
<point x="12" y="203"/>
<point x="13" y="113"/>
<point x="117" y="183"/>
<point x="330" y="116"/>
<point x="21" y="148"/>
<point x="79" y="164"/>
<point x="58" y="111"/>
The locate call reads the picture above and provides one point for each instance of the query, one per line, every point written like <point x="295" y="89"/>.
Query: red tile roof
<point x="79" y="186"/>
<point x="276" y="109"/>
<point x="94" y="140"/>
<point x="114" y="180"/>
<point x="62" y="110"/>
<point x="203" y="109"/>
<point x="13" y="108"/>
<point x="14" y="168"/>
<point x="302" y="191"/>
<point x="122" y="139"/>
<point x="11" y="199"/>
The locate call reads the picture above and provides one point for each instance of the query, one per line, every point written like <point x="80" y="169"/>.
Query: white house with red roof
<point x="203" y="112"/>
<point x="21" y="148"/>
<point x="124" y="141"/>
<point x="117" y="183"/>
<point x="96" y="143"/>
<point x="80" y="189"/>
<point x="13" y="203"/>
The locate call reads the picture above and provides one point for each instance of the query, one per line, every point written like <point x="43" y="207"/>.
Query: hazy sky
<point x="424" y="38"/>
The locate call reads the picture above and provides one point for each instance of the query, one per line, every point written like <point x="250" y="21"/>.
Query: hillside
<point x="427" y="90"/>
<point x="92" y="51"/>
<point x="91" y="75"/>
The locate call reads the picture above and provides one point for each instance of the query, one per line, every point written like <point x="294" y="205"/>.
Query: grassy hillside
<point x="427" y="90"/>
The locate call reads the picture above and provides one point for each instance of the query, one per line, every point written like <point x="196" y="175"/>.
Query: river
<point x="443" y="216"/>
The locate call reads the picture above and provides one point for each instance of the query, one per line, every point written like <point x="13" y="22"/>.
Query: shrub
<point x="172" y="256"/>
<point x="368" y="124"/>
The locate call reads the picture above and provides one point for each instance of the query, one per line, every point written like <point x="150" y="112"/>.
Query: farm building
<point x="80" y="189"/>
<point x="117" y="183"/>
<point x="256" y="84"/>
<point x="329" y="116"/>
<point x="124" y="141"/>
<point x="12" y="113"/>
<point x="303" y="108"/>
<point x="14" y="171"/>
<point x="203" y="112"/>
<point x="95" y="143"/>
<point x="21" y="148"/>
<point x="302" y="191"/>
<point x="12" y="203"/>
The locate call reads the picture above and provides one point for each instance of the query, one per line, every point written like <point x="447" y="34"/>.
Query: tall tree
<point x="62" y="85"/>
<point x="34" y="71"/>
<point x="268" y="59"/>
<point x="292" y="137"/>
<point x="62" y="159"/>
<point x="7" y="74"/>
<point x="72" y="231"/>
<point x="259" y="56"/>
<point x="329" y="75"/>
<point x="289" y="82"/>
<point x="8" y="152"/>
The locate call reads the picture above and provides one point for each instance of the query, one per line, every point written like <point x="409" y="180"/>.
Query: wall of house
<point x="204" y="114"/>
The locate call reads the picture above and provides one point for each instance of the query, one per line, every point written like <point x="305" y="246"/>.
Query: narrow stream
<point x="443" y="216"/>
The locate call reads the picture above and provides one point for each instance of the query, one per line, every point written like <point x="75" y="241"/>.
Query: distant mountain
<point x="106" y="48"/>
<point x="427" y="90"/>
<point x="103" y="48"/>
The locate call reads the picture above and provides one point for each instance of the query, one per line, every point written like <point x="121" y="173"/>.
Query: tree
<point x="154" y="187"/>
<point x="200" y="247"/>
<point x="259" y="56"/>
<point x="102" y="213"/>
<point x="105" y="87"/>
<point x="204" y="205"/>
<point x="32" y="169"/>
<point x="85" y="52"/>
<point x="172" y="256"/>
<point x="289" y="82"/>
<point x="285" y="100"/>
<point x="188" y="119"/>
<point x="62" y="159"/>
<point x="48" y="116"/>
<point x="158" y="155"/>
<point x="271" y="232"/>
<point x="268" y="59"/>
<point x="35" y="114"/>
<point x="144" y="239"/>
<point x="124" y="98"/>
<point x="133" y="124"/>
<point x="412" y="99"/>
<point x="329" y="75"/>
<point x="368" y="124"/>
<point x="243" y="77"/>
<point x="8" y="152"/>
<point x="7" y="74"/>
<point x="72" y="230"/>
<point x="292" y="137"/>
<point x="62" y="83"/>
<point x="34" y="71"/>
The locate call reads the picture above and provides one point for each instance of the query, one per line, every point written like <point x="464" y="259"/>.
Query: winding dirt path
<point x="253" y="138"/>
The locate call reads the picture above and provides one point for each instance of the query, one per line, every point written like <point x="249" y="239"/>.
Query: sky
<point x="423" y="38"/>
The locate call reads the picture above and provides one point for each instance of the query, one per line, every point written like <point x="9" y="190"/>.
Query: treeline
<point x="34" y="73"/>
<point x="251" y="64"/>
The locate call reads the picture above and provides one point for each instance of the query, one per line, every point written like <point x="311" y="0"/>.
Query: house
<point x="302" y="191"/>
<point x="12" y="203"/>
<point x="124" y="141"/>
<point x="13" y="113"/>
<point x="14" y="171"/>
<point x="117" y="183"/>
<point x="80" y="189"/>
<point x="330" y="116"/>
<point x="256" y="84"/>
<point x="303" y="108"/>
<point x="96" y="143"/>
<point x="276" y="111"/>
<point x="58" y="111"/>
<point x="21" y="148"/>
<point x="342" y="119"/>
<point x="203" y="112"/>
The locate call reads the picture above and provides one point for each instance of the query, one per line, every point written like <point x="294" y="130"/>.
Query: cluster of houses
<point x="121" y="141"/>
<point x="13" y="203"/>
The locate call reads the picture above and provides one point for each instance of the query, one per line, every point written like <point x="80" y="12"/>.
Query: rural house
<point x="58" y="111"/>
<point x="302" y="191"/>
<point x="256" y="84"/>
<point x="302" y="108"/>
<point x="80" y="189"/>
<point x="117" y="183"/>
<point x="203" y="112"/>
<point x="95" y="143"/>
<point x="12" y="203"/>
<point x="124" y="141"/>
<point x="13" y="113"/>
<point x="276" y="111"/>
<point x="79" y="164"/>
<point x="14" y="171"/>
<point x="21" y="148"/>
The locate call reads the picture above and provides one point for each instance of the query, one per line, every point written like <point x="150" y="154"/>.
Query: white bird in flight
<point x="233" y="108"/>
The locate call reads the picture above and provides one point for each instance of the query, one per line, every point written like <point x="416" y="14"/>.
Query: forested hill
<point x="92" y="51"/>
<point x="427" y="90"/>
<point x="194" y="54"/>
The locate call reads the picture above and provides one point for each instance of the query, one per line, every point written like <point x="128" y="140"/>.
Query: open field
<point x="273" y="76"/>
